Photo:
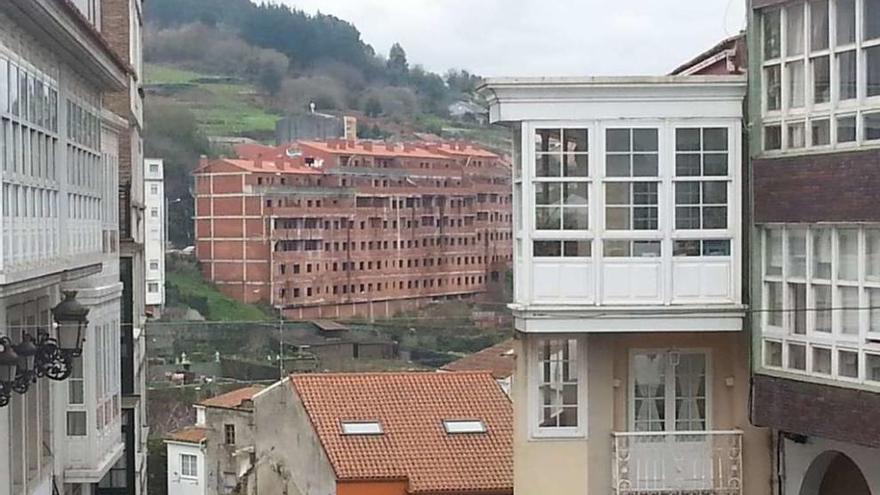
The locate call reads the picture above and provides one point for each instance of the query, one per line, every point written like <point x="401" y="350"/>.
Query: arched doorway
<point x="834" y="473"/>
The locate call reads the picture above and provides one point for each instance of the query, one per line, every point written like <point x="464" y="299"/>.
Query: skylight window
<point x="361" y="428"/>
<point x="464" y="426"/>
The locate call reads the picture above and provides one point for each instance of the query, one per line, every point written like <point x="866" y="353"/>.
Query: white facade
<point x="59" y="227"/>
<point x="186" y="468"/>
<point x="614" y="213"/>
<point x="155" y="228"/>
<point x="628" y="262"/>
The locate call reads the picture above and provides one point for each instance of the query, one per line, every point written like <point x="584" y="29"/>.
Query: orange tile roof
<point x="251" y="151"/>
<point x="189" y="434"/>
<point x="233" y="399"/>
<point x="498" y="359"/>
<point x="269" y="166"/>
<point x="375" y="149"/>
<point x="469" y="150"/>
<point x="414" y="445"/>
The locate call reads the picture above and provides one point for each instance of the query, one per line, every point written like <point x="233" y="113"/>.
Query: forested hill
<point x="291" y="42"/>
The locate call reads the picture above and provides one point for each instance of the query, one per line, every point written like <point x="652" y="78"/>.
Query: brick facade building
<point x="340" y="228"/>
<point x="814" y="106"/>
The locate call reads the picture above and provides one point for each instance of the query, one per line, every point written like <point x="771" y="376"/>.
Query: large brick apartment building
<point x="340" y="228"/>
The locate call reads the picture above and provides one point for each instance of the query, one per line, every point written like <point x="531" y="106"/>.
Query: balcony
<point x="677" y="463"/>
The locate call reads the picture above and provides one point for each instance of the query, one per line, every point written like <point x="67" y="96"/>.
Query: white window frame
<point x="534" y="380"/>
<point x="831" y="110"/>
<point x="863" y="343"/>
<point x="194" y="459"/>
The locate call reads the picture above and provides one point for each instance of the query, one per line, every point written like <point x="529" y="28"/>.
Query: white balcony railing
<point x="677" y="463"/>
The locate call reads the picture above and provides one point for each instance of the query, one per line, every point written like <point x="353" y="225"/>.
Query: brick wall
<point x="835" y="413"/>
<point x="832" y="187"/>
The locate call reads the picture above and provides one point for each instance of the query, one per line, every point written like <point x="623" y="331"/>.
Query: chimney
<point x="408" y="147"/>
<point x="258" y="162"/>
<point x="203" y="160"/>
<point x="368" y="145"/>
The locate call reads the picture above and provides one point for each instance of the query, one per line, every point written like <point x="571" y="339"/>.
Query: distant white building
<point x="155" y="228"/>
<point x="186" y="461"/>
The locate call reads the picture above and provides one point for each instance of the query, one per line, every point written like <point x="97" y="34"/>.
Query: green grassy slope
<point x="195" y="291"/>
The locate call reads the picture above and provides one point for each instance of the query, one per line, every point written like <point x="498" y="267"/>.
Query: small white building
<point x="155" y="228"/>
<point x="186" y="461"/>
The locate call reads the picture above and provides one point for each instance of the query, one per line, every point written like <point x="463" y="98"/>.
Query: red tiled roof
<point x="465" y="149"/>
<point x="269" y="166"/>
<point x="365" y="148"/>
<point x="252" y="151"/>
<point x="232" y="400"/>
<point x="190" y="434"/>
<point x="498" y="359"/>
<point x="411" y="407"/>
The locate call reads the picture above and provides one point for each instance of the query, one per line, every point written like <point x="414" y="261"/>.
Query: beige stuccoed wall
<point x="584" y="466"/>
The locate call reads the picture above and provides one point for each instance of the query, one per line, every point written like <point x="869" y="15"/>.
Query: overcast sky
<point x="541" y="37"/>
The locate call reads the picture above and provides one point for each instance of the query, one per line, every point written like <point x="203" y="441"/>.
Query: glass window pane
<point x="714" y="192"/>
<point x="687" y="140"/>
<point x="646" y="249"/>
<point x="794" y="26"/>
<point x="547" y="140"/>
<point x="547" y="165"/>
<point x="846" y="129"/>
<point x="644" y="193"/>
<point x="576" y="165"/>
<point x="773" y="252"/>
<point x="617" y="218"/>
<point x="818" y="24"/>
<point x="821" y="80"/>
<point x="820" y="132"/>
<point x="872" y="126"/>
<point x="617" y="165"/>
<point x="872" y="255"/>
<point x="548" y="218"/>
<point x="617" y="140"/>
<point x="645" y="140"/>
<point x="687" y="217"/>
<point x="575" y="140"/>
<point x="795" y="74"/>
<point x="575" y="218"/>
<point x="796" y="136"/>
<point x="846" y="70"/>
<point x="797" y="252"/>
<point x="822" y="303"/>
<point x="716" y="248"/>
<point x="872" y="55"/>
<point x="822" y="254"/>
<point x="548" y="249"/>
<point x="617" y="249"/>
<point x="846" y="21"/>
<point x="822" y="360"/>
<point x="773" y="87"/>
<point x="715" y="139"/>
<point x="687" y="193"/>
<point x="715" y="164"/>
<point x="774" y="303"/>
<point x="848" y="246"/>
<point x="797" y="307"/>
<point x="548" y="193"/>
<point x="617" y="193"/>
<point x="871" y="17"/>
<point x="575" y="193"/>
<point x="686" y="248"/>
<point x="578" y="249"/>
<point x="848" y="364"/>
<point x="687" y="164"/>
<point x="874" y="313"/>
<point x="797" y="356"/>
<point x="772" y="137"/>
<point x="644" y="165"/>
<point x="872" y="367"/>
<point x="771" y="34"/>
<point x="849" y="315"/>
<point x="715" y="217"/>
<point x="773" y="353"/>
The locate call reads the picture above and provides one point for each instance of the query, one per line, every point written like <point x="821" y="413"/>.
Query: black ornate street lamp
<point x="46" y="356"/>
<point x="8" y="369"/>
